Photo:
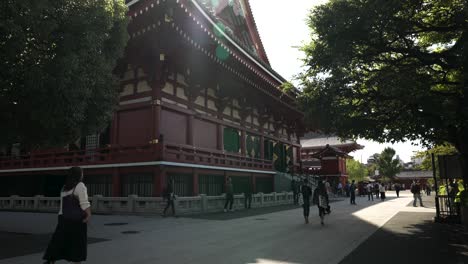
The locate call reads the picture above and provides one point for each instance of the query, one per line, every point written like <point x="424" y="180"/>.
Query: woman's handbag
<point x="71" y="209"/>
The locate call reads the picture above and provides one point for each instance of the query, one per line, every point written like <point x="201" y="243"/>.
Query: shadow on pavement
<point x="20" y="244"/>
<point x="411" y="237"/>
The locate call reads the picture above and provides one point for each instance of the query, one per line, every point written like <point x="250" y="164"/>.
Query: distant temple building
<point x="199" y="102"/>
<point x="326" y="156"/>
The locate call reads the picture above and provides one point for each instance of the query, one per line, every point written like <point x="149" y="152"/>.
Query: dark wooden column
<point x="159" y="180"/>
<point x="190" y="119"/>
<point x="116" y="183"/>
<point x="195" y="182"/>
<point x="242" y="145"/>
<point x="221" y="103"/>
<point x="115" y="128"/>
<point x="219" y="137"/>
<point x="253" y="182"/>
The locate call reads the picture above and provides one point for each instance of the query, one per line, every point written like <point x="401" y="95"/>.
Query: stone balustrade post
<point x="203" y="203"/>
<point x="274" y="198"/>
<point x="37" y="200"/>
<point x="131" y="203"/>
<point x="95" y="202"/>
<point x="12" y="201"/>
<point x="261" y="199"/>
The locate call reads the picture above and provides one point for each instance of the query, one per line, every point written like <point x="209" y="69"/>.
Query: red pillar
<point x="159" y="180"/>
<point x="254" y="188"/>
<point x="195" y="182"/>
<point x="116" y="183"/>
<point x="219" y="139"/>
<point x="242" y="145"/>
<point x="190" y="130"/>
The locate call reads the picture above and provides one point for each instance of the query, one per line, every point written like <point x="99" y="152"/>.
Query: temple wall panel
<point x="134" y="127"/>
<point x="205" y="134"/>
<point x="174" y="127"/>
<point x="168" y="88"/>
<point x="143" y="86"/>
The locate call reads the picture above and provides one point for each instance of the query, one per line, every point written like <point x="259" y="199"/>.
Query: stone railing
<point x="146" y="205"/>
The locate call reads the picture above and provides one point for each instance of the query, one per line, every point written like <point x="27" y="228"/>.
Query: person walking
<point x="352" y="192"/>
<point x="416" y="190"/>
<point x="321" y="200"/>
<point x="229" y="195"/>
<point x="339" y="189"/>
<point x="248" y="196"/>
<point x="306" y="192"/>
<point x="69" y="241"/>
<point x="295" y="190"/>
<point x="397" y="189"/>
<point x="377" y="190"/>
<point x="382" y="192"/>
<point x="369" y="189"/>
<point x="169" y="196"/>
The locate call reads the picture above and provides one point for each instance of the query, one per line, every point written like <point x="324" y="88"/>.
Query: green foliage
<point x="356" y="170"/>
<point x="445" y="149"/>
<point x="57" y="63"/>
<point x="387" y="165"/>
<point x="389" y="70"/>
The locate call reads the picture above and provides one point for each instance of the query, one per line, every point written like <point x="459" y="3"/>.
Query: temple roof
<point x="330" y="151"/>
<point x="317" y="141"/>
<point x="414" y="174"/>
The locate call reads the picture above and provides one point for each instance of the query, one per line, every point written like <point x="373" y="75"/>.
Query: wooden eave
<point x="204" y="23"/>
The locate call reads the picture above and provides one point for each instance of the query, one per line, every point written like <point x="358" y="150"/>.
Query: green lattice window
<point x="252" y="145"/>
<point x="231" y="140"/>
<point x="280" y="157"/>
<point x="268" y="149"/>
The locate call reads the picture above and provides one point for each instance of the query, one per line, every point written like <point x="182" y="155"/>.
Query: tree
<point x="389" y="70"/>
<point x="356" y="170"/>
<point x="426" y="164"/>
<point x="57" y="63"/>
<point x="387" y="165"/>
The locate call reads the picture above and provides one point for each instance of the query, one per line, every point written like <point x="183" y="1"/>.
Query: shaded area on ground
<point x="428" y="201"/>
<point x="416" y="237"/>
<point x="20" y="244"/>
<point x="249" y="212"/>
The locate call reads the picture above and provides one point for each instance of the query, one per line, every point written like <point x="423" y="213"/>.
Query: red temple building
<point x="199" y="102"/>
<point x="326" y="156"/>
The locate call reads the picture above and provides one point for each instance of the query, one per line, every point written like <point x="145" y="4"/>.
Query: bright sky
<point x="283" y="28"/>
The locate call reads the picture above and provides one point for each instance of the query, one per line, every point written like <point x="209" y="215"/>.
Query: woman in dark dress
<point x="321" y="200"/>
<point x="69" y="241"/>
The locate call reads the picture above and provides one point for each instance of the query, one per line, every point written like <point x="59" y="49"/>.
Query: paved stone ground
<point x="413" y="237"/>
<point x="271" y="237"/>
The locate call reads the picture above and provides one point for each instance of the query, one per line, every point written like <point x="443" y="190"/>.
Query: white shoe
<point x="225" y="210"/>
<point x="232" y="210"/>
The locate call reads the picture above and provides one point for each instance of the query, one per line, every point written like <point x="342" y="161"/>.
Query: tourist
<point x="339" y="189"/>
<point x="295" y="190"/>
<point x="306" y="192"/>
<point x="369" y="190"/>
<point x="428" y="189"/>
<point x="69" y="241"/>
<point x="248" y="196"/>
<point x="321" y="200"/>
<point x="382" y="192"/>
<point x="377" y="190"/>
<point x="416" y="190"/>
<point x="328" y="187"/>
<point x="352" y="192"/>
<point x="169" y="196"/>
<point x="229" y="195"/>
<point x="397" y="189"/>
<point x="347" y="189"/>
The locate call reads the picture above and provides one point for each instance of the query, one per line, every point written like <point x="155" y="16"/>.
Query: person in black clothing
<point x="248" y="196"/>
<point x="306" y="194"/>
<point x="321" y="200"/>
<point x="168" y="195"/>
<point x="397" y="189"/>
<point x="352" y="191"/>
<point x="295" y="190"/>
